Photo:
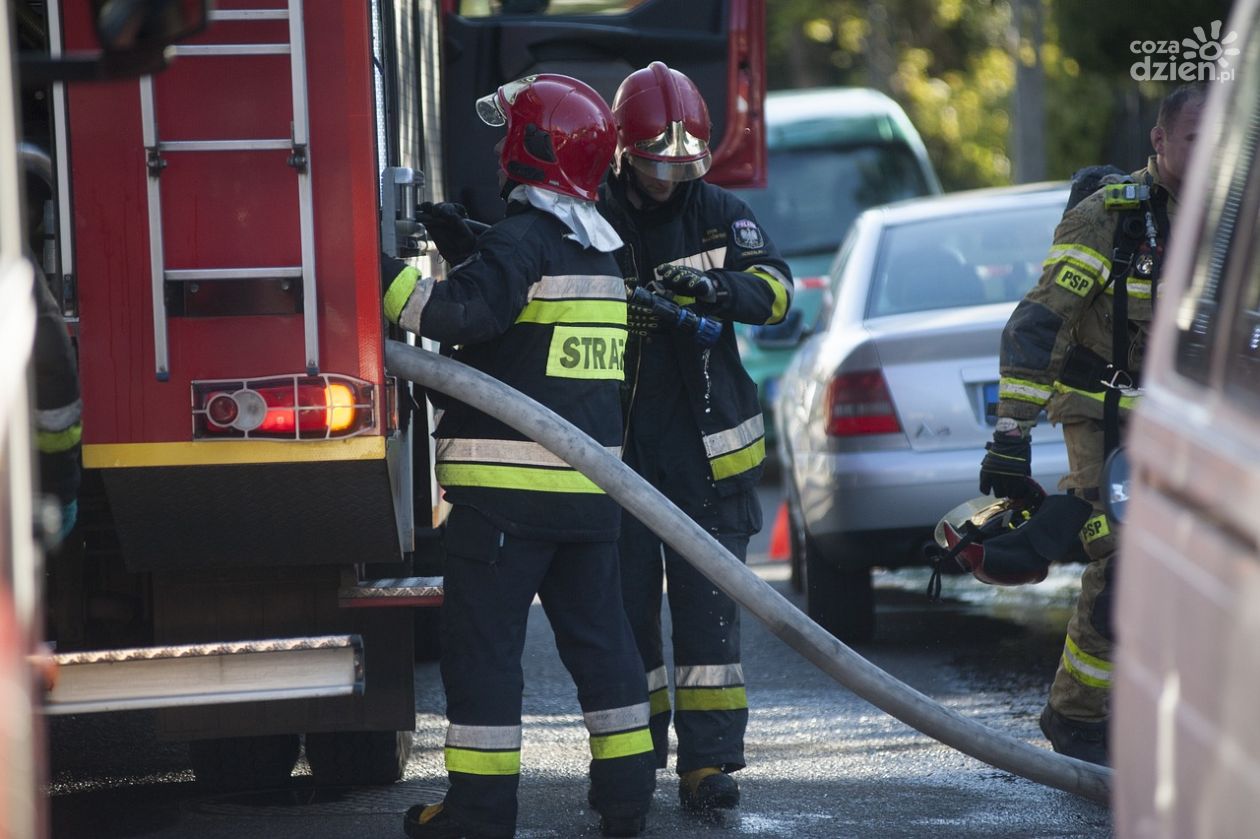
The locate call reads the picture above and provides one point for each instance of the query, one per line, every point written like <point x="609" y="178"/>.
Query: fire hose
<point x="740" y="583"/>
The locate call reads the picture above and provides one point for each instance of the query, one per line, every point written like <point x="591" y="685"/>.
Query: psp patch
<point x="747" y="234"/>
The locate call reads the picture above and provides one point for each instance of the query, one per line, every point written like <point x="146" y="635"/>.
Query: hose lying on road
<point x="743" y="586"/>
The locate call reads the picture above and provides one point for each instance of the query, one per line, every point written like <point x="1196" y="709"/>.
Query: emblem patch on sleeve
<point x="747" y="234"/>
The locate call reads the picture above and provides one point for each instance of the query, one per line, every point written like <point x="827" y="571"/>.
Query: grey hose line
<point x="740" y="583"/>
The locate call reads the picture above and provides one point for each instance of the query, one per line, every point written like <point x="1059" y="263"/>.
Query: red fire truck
<point x="255" y="481"/>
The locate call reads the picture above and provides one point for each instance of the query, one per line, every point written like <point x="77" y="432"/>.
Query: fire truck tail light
<point x="294" y="407"/>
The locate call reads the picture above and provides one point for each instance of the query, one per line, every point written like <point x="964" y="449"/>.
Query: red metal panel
<point x="223" y="209"/>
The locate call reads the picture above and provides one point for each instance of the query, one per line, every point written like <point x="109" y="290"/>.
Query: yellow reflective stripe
<point x="586" y="352"/>
<point x="1126" y="402"/>
<point x="514" y="477"/>
<point x="1082" y="256"/>
<point x="574" y="311"/>
<point x="711" y="699"/>
<point x="740" y="461"/>
<point x="475" y="762"/>
<point x="659" y="701"/>
<point x="1133" y="287"/>
<point x="216" y="452"/>
<point x="1089" y="670"/>
<point x="52" y="442"/>
<point x="1024" y="390"/>
<point x="1095" y="528"/>
<point x="778" y="309"/>
<point x="399" y="290"/>
<point x="608" y="746"/>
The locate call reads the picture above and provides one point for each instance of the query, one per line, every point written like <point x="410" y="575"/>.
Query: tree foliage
<point x="952" y="64"/>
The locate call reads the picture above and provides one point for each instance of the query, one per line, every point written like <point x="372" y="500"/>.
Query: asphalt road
<point x="821" y="762"/>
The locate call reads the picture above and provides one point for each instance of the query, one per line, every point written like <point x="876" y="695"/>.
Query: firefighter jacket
<point x="58" y="409"/>
<point x="1072" y="306"/>
<point x="708" y="228"/>
<point x="542" y="314"/>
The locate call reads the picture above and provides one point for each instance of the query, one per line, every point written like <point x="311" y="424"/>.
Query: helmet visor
<point x="489" y="110"/>
<point x="490" y="106"/>
<point x="675" y="142"/>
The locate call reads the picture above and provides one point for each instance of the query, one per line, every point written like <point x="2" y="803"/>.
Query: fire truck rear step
<point x="206" y="674"/>
<point x="392" y="592"/>
<point x="299" y="160"/>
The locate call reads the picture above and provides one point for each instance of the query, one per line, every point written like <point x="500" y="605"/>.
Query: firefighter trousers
<point x="710" y="711"/>
<point x="491" y="580"/>
<point x="1082" y="684"/>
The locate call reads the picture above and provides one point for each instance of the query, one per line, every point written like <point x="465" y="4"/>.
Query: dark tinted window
<point x="812" y="195"/>
<point x="1226" y="231"/>
<point x="1242" y="358"/>
<point x="964" y="260"/>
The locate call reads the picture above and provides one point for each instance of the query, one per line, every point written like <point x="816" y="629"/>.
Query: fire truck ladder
<point x="299" y="159"/>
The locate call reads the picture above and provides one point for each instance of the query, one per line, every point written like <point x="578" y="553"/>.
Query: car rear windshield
<point x="970" y="259"/>
<point x="812" y="195"/>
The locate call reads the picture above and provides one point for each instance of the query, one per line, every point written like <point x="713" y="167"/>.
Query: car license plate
<point x="990" y="403"/>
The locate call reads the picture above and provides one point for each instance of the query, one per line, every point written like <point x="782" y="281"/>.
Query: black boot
<point x="1076" y="738"/>
<point x="707" y="789"/>
<point x="431" y="821"/>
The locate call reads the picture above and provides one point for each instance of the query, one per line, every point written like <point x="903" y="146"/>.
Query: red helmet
<point x="560" y="133"/>
<point x="1011" y="541"/>
<point x="662" y="124"/>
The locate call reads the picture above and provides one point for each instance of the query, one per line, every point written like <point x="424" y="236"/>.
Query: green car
<point x="834" y="152"/>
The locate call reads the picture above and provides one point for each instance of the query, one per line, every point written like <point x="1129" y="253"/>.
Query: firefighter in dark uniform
<point x="538" y="303"/>
<point x="694" y="427"/>
<point x="1060" y="353"/>
<point x="58" y="409"/>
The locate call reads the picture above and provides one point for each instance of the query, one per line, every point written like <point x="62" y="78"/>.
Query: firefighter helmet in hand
<point x="560" y="134"/>
<point x="662" y="125"/>
<point x="1012" y="541"/>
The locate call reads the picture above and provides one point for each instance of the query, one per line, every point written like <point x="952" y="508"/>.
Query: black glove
<point x="680" y="279"/>
<point x="448" y="228"/>
<point x="642" y="318"/>
<point x="1007" y="465"/>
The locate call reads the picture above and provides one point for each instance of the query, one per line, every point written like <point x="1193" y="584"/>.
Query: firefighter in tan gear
<point x="537" y="302"/>
<point x="1060" y="353"/>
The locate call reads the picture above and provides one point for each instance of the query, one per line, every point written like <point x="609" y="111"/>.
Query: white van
<point x="1186" y="704"/>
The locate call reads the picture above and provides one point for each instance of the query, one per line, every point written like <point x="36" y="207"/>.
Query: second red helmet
<point x="560" y="134"/>
<point x="662" y="124"/>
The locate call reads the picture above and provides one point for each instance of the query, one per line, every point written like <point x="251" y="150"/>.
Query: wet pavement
<point x="821" y="762"/>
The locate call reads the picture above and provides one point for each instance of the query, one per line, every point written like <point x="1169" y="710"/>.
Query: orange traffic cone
<point x="780" y="543"/>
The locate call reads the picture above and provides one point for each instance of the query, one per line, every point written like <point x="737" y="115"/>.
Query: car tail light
<point x="294" y="407"/>
<point x="860" y="403"/>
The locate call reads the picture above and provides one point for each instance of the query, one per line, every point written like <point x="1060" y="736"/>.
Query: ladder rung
<point x="192" y="275"/>
<point x="225" y="145"/>
<point x="232" y="49"/>
<point x="249" y="14"/>
<point x="402" y="591"/>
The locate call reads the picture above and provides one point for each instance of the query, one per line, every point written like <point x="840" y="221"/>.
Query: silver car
<point x="885" y="411"/>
